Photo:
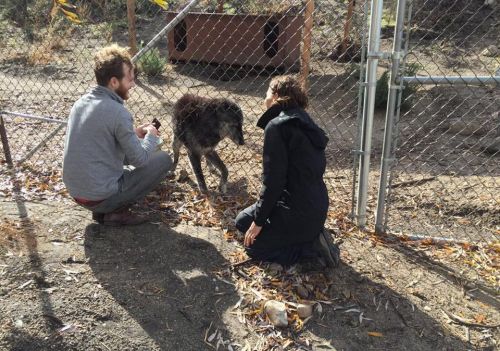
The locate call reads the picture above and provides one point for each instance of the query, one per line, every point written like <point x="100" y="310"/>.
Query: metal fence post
<point x="5" y="142"/>
<point x="394" y="88"/>
<point x="368" y="109"/>
<point x="359" y="111"/>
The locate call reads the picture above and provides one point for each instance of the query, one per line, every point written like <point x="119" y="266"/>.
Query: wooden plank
<point x="306" y="44"/>
<point x="132" y="33"/>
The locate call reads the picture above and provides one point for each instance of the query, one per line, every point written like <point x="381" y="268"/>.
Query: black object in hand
<point x="156" y="124"/>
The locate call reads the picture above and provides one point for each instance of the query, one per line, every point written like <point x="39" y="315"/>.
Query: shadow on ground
<point x="164" y="279"/>
<point x="82" y="286"/>
<point x="366" y="315"/>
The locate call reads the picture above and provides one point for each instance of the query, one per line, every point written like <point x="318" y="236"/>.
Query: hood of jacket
<point x="278" y="115"/>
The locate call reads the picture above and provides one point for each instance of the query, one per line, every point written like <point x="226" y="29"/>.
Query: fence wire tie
<point x="389" y="160"/>
<point x="368" y="84"/>
<point x="395" y="87"/>
<point x="397" y="55"/>
<point x="358" y="152"/>
<point x="379" y="55"/>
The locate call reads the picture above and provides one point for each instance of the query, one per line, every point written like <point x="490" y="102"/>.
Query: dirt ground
<point x="70" y="284"/>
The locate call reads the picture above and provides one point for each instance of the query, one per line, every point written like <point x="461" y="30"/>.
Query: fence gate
<point x="439" y="166"/>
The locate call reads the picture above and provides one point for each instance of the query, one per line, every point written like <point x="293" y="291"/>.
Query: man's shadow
<point x="165" y="280"/>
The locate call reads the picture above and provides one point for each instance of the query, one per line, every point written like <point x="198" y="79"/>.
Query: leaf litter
<point x="256" y="283"/>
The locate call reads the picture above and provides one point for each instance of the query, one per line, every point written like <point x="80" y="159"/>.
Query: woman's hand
<point x="251" y="234"/>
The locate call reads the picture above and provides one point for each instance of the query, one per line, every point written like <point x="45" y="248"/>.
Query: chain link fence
<point x="47" y="65"/>
<point x="445" y="182"/>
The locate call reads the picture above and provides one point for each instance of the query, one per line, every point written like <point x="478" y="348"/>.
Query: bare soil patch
<point x="70" y="284"/>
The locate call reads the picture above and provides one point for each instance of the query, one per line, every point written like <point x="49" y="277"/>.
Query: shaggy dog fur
<point x="200" y="124"/>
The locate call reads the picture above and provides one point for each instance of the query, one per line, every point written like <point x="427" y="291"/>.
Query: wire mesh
<point x="445" y="183"/>
<point x="47" y="65"/>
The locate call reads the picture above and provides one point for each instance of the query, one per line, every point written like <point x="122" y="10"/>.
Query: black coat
<point x="293" y="202"/>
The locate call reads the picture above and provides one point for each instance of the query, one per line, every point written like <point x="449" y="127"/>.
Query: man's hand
<point x="251" y="234"/>
<point x="144" y="129"/>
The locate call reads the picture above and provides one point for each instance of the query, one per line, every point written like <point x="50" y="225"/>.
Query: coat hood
<point x="278" y="115"/>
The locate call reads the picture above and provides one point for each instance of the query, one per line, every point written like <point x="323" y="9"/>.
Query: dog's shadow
<point x="235" y="188"/>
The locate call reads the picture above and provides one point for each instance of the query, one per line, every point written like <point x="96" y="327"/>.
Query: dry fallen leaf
<point x="377" y="334"/>
<point x="480" y="318"/>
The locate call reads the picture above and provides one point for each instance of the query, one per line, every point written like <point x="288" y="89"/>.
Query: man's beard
<point x="122" y="92"/>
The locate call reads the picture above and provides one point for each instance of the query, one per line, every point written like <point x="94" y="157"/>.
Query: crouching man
<point x="102" y="144"/>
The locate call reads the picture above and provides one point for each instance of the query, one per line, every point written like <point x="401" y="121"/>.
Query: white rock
<point x="276" y="311"/>
<point x="490" y="51"/>
<point x="304" y="310"/>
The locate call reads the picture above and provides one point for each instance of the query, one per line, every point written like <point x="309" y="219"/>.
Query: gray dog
<point x="200" y="124"/>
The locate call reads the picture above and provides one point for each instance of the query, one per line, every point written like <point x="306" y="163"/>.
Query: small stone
<point x="276" y="311"/>
<point x="302" y="291"/>
<point x="183" y="176"/>
<point x="427" y="308"/>
<point x="304" y="310"/>
<point x="491" y="145"/>
<point x="275" y="268"/>
<point x="490" y="51"/>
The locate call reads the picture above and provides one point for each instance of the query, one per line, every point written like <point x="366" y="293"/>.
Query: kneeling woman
<point x="287" y="221"/>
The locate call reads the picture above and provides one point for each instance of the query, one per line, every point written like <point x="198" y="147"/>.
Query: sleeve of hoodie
<point x="274" y="174"/>
<point x="137" y="153"/>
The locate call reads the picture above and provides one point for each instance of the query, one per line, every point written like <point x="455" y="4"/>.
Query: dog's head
<point x="230" y="118"/>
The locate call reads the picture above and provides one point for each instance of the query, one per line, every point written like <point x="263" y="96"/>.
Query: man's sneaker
<point x="327" y="249"/>
<point x="98" y="217"/>
<point x="118" y="218"/>
<point x="123" y="217"/>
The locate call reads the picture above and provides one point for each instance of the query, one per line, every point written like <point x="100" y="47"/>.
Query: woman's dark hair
<point x="109" y="63"/>
<point x="289" y="92"/>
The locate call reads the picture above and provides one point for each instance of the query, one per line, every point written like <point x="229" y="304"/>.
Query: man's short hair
<point x="108" y="63"/>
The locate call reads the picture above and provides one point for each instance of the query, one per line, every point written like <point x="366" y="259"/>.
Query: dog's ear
<point x="223" y="106"/>
<point x="229" y="109"/>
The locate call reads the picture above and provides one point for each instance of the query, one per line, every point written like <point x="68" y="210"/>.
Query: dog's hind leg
<point x="211" y="167"/>
<point x="176" y="147"/>
<point x="195" y="160"/>
<point x="215" y="160"/>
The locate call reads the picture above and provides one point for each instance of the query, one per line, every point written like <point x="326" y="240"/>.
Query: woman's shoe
<point x="328" y="250"/>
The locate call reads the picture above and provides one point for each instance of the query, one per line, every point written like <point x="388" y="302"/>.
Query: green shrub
<point x="152" y="63"/>
<point x="383" y="88"/>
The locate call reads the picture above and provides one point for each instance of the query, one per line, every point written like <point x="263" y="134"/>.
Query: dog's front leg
<point x="176" y="147"/>
<point x="215" y="160"/>
<point x="195" y="160"/>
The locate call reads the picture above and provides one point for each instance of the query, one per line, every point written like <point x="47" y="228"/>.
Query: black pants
<point x="285" y="255"/>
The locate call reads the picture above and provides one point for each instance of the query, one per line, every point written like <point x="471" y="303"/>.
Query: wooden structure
<point x="244" y="40"/>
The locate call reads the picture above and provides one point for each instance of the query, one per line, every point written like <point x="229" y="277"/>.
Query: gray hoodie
<point x="100" y="135"/>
